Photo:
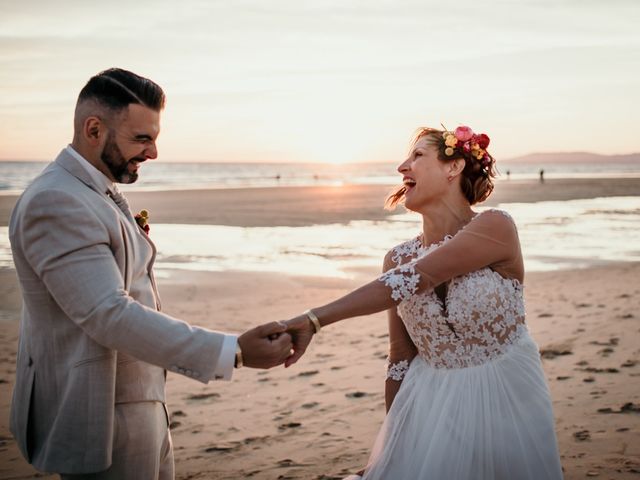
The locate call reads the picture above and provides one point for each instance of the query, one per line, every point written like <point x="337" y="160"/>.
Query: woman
<point x="465" y="392"/>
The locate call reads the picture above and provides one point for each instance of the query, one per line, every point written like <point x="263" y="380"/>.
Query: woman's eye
<point x="418" y="154"/>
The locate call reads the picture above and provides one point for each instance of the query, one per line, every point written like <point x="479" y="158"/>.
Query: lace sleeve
<point x="402" y="280"/>
<point x="396" y="371"/>
<point x="489" y="240"/>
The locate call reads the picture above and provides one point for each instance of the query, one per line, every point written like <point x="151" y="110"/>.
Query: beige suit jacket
<point x="87" y="341"/>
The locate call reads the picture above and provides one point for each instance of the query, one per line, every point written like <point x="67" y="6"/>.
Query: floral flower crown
<point x="470" y="145"/>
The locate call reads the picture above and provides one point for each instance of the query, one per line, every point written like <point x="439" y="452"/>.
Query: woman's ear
<point x="456" y="167"/>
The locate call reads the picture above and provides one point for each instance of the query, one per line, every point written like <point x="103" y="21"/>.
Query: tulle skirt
<point x="487" y="422"/>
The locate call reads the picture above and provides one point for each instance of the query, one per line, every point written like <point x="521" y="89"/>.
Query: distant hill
<point x="574" y="157"/>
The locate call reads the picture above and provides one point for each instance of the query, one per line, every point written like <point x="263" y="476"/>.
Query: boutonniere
<point x="142" y="219"/>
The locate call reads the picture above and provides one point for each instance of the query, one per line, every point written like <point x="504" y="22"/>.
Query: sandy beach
<point x="318" y="419"/>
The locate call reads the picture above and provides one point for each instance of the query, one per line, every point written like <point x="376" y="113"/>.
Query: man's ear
<point x="94" y="130"/>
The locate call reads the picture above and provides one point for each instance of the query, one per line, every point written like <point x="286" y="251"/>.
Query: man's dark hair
<point x="116" y="89"/>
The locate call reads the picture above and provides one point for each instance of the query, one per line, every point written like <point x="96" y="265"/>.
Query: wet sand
<point x="300" y="206"/>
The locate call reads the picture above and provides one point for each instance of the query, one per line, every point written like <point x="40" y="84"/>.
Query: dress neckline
<point x="420" y="238"/>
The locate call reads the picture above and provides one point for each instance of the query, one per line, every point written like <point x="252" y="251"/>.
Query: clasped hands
<point x="275" y="343"/>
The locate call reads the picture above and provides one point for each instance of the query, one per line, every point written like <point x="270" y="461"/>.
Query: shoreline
<point x="305" y="206"/>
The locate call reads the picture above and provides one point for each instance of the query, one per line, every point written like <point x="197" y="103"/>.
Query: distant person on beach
<point x="465" y="392"/>
<point x="89" y="398"/>
<point x="508" y="174"/>
<point x="541" y="175"/>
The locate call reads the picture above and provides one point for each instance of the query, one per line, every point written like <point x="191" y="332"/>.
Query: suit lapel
<point x="151" y="262"/>
<point x="70" y="164"/>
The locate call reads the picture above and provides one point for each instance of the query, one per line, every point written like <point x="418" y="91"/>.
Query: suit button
<point x="30" y="361"/>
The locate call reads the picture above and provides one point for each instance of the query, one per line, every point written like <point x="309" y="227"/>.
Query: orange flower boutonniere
<point x="142" y="219"/>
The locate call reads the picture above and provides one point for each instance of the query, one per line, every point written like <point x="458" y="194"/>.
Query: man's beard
<point x="116" y="163"/>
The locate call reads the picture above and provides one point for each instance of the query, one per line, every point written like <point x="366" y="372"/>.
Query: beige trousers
<point x="142" y="448"/>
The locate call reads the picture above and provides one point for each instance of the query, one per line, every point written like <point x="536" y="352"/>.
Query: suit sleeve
<point x="69" y="248"/>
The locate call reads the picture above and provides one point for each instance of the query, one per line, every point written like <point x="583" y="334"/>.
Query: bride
<point x="465" y="393"/>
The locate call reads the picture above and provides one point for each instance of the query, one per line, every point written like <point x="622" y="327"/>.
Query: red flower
<point x="463" y="133"/>
<point x="482" y="140"/>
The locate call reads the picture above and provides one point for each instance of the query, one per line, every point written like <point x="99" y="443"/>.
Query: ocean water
<point x="15" y="176"/>
<point x="554" y="236"/>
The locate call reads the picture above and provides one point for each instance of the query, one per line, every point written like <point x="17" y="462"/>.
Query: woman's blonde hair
<point x="476" y="179"/>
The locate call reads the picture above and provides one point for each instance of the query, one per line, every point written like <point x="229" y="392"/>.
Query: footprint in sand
<point x="605" y="352"/>
<point x="308" y="373"/>
<point x="552" y="352"/>
<point x="325" y="355"/>
<point x="600" y="370"/>
<point x="613" y="341"/>
<point x="219" y="448"/>
<point x="356" y="394"/>
<point x="203" y="396"/>
<point x="582" y="435"/>
<point x="628" y="407"/>
<point x="285" y="426"/>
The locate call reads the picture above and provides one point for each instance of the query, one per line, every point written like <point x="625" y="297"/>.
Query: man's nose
<point x="151" y="152"/>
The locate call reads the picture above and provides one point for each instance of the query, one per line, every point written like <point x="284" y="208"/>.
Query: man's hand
<point x="265" y="346"/>
<point x="301" y="330"/>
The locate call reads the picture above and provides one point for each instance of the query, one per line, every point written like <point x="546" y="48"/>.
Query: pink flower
<point x="463" y="133"/>
<point x="483" y="140"/>
<point x="466" y="146"/>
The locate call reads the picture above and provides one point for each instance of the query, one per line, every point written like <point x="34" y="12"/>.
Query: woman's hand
<point x="301" y="330"/>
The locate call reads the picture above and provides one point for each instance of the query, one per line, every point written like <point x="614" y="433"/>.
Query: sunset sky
<point x="330" y="81"/>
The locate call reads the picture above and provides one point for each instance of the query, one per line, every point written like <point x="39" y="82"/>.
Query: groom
<point x="89" y="400"/>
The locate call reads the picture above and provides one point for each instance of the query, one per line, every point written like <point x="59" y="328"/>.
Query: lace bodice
<point x="483" y="312"/>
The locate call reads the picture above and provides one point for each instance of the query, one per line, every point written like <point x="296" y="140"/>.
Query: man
<point x="94" y="346"/>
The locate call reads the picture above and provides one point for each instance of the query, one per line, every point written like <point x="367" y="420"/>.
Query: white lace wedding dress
<point x="474" y="403"/>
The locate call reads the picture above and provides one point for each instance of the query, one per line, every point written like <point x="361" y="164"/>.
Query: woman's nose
<point x="404" y="166"/>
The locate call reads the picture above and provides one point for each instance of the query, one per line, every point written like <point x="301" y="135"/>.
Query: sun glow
<point x="331" y="82"/>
